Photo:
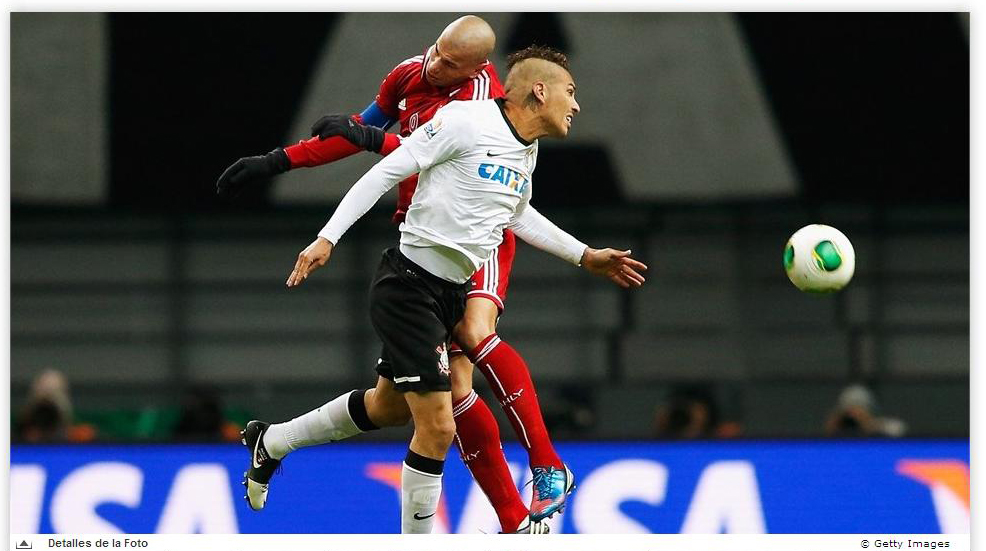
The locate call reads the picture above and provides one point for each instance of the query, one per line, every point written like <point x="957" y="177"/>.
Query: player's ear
<point x="540" y="91"/>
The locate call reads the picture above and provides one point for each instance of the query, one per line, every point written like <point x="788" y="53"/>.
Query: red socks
<point x="478" y="439"/>
<point x="511" y="382"/>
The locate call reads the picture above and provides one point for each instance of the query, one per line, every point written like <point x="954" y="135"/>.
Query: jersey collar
<point x="424" y="65"/>
<point x="499" y="103"/>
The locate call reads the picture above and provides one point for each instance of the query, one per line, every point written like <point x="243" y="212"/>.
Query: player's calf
<point x="421" y="476"/>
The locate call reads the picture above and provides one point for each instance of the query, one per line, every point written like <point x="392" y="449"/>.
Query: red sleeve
<point x="315" y="152"/>
<point x="390" y="143"/>
<point x="389" y="94"/>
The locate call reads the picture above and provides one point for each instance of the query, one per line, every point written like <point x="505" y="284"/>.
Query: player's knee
<point x="446" y="432"/>
<point x="440" y="431"/>
<point x="472" y="330"/>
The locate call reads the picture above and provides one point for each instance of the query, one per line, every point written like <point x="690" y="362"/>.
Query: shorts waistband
<point x="409" y="264"/>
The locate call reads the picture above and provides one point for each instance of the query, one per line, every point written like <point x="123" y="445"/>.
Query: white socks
<point x="421" y="488"/>
<point x="328" y="423"/>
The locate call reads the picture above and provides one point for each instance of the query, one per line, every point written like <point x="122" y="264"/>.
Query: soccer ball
<point x="819" y="259"/>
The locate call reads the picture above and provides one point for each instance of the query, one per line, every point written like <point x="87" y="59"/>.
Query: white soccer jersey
<point x="476" y="174"/>
<point x="475" y="180"/>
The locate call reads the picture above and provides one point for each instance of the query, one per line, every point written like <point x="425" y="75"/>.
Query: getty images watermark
<point x="930" y="542"/>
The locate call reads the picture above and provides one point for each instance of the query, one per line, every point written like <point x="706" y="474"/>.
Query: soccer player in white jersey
<point x="475" y="161"/>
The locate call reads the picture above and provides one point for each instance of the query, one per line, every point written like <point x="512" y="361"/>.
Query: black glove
<point x="251" y="169"/>
<point x="367" y="137"/>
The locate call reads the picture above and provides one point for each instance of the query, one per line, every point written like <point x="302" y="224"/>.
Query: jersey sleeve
<point x="374" y="116"/>
<point x="532" y="227"/>
<point x="315" y="152"/>
<point x="389" y="93"/>
<point x="366" y="192"/>
<point x="447" y="135"/>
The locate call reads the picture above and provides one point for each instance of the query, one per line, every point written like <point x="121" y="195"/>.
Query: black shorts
<point x="413" y="312"/>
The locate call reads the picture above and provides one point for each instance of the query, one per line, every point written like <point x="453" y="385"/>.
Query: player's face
<point x="448" y="67"/>
<point x="560" y="106"/>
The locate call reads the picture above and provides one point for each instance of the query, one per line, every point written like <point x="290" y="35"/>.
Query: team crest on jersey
<point x="443" y="366"/>
<point x="433" y="127"/>
<point x="402" y="105"/>
<point x="412" y="123"/>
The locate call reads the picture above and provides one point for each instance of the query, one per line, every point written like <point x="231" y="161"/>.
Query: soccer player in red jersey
<point x="454" y="68"/>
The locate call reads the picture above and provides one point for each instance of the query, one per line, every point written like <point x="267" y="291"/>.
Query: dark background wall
<point x="873" y="107"/>
<point x="189" y="92"/>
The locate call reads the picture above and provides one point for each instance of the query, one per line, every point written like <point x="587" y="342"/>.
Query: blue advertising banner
<point x="864" y="486"/>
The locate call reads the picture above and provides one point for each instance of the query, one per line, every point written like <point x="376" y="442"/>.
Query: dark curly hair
<point x="538" y="52"/>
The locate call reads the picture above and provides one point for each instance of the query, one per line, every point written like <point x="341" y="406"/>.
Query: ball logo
<point x="431" y="128"/>
<point x="412" y="123"/>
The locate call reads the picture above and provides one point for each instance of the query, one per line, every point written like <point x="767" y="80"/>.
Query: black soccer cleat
<point x="262" y="465"/>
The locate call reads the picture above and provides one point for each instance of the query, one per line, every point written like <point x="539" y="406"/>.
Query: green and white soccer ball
<point x="819" y="259"/>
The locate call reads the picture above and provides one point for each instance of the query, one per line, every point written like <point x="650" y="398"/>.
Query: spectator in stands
<point x="202" y="419"/>
<point x="47" y="416"/>
<point x="856" y="414"/>
<point x="692" y="412"/>
<point x="569" y="410"/>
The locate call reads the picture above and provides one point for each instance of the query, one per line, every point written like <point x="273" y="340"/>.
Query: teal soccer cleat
<point x="551" y="489"/>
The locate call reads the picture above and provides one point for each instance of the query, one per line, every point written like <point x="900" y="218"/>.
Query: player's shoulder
<point x="466" y="110"/>
<point x="461" y="118"/>
<point x="411" y="61"/>
<point x="484" y="85"/>
<point x="409" y="66"/>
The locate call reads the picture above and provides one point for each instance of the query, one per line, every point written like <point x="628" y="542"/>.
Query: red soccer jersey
<point x="406" y="95"/>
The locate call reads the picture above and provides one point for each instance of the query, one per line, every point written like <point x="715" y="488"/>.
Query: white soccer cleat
<point x="262" y="465"/>
<point x="531" y="526"/>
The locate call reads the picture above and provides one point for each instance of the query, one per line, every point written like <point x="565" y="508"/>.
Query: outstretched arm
<point x="532" y="226"/>
<point x="328" y="142"/>
<point x="428" y="146"/>
<point x="311" y="152"/>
